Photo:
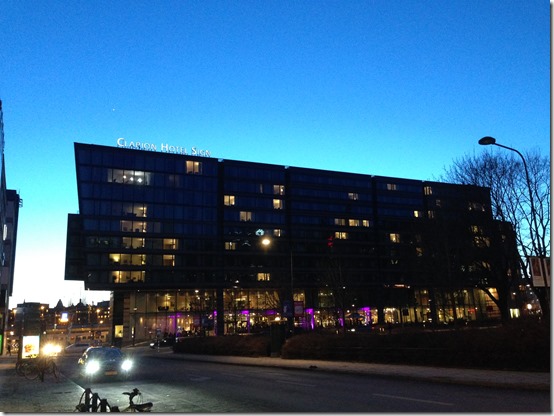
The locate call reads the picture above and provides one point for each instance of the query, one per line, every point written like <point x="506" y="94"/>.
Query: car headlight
<point x="126" y="365"/>
<point x="51" y="349"/>
<point x="92" y="367"/>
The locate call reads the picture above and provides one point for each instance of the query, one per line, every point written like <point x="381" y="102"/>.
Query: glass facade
<point x="192" y="244"/>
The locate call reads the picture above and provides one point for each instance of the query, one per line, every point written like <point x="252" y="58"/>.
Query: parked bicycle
<point x="33" y="368"/>
<point x="91" y="402"/>
<point x="137" y="407"/>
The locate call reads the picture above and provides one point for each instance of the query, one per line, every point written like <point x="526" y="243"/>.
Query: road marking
<point x="234" y="375"/>
<point x="413" y="400"/>
<point x="199" y="378"/>
<point x="295" y="383"/>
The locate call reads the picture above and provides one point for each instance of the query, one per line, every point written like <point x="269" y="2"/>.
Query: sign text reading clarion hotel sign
<point x="164" y="147"/>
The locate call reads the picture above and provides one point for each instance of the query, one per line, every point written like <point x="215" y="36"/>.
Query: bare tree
<point x="505" y="175"/>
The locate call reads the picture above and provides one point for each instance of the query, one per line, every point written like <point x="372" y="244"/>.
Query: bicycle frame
<point x="93" y="403"/>
<point x="33" y="368"/>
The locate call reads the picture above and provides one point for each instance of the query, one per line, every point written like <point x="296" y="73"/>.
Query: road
<point x="199" y="387"/>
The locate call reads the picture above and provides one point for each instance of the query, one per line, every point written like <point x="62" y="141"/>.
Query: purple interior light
<point x="311" y="322"/>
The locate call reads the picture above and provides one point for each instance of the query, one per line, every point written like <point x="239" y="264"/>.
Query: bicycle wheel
<point x="19" y="367"/>
<point x="30" y="371"/>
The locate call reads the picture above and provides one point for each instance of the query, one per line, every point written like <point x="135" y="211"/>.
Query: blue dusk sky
<point x="390" y="88"/>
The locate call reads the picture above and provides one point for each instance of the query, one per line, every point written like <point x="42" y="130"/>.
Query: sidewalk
<point x="487" y="378"/>
<point x="20" y="395"/>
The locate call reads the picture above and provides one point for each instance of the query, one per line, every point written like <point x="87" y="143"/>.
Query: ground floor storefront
<point x="143" y="315"/>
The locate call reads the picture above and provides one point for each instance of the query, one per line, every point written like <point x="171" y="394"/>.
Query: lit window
<point x="245" y="216"/>
<point x="264" y="277"/>
<point x="278" y="204"/>
<point x="419" y="251"/>
<point x="126" y="225"/>
<point x="481" y="241"/>
<point x="138" y="227"/>
<point x="230" y="245"/>
<point x="137" y="243"/>
<point x="394" y="237"/>
<point x="431" y="214"/>
<point x="194" y="167"/>
<point x="138" y="259"/>
<point x="279" y="189"/>
<point x="131" y="177"/>
<point x="339" y="235"/>
<point x="229" y="200"/>
<point x="170" y="244"/>
<point x="354" y="223"/>
<point x="116" y="276"/>
<point x="476" y="206"/>
<point x="277" y="232"/>
<point x="169" y="260"/>
<point x="428" y="190"/>
<point x="365" y="223"/>
<point x="391" y="186"/>
<point x="353" y="196"/>
<point x="418" y="214"/>
<point x="475" y="229"/>
<point x="340" y="221"/>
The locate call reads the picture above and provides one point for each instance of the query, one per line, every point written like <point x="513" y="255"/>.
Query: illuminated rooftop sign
<point x="163" y="147"/>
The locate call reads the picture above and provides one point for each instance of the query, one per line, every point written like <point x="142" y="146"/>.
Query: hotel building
<point x="190" y="243"/>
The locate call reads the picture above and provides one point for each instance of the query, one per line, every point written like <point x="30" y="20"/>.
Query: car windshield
<point x="104" y="354"/>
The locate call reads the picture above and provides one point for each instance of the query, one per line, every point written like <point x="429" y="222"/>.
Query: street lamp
<point x="488" y="140"/>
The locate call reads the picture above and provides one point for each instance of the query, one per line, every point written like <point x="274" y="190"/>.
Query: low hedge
<point x="519" y="345"/>
<point x="240" y="345"/>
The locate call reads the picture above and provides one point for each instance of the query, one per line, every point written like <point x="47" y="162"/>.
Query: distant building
<point x="62" y="325"/>
<point x="190" y="243"/>
<point x="10" y="202"/>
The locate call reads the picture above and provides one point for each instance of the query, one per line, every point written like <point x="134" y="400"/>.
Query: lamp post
<point x="487" y="140"/>
<point x="266" y="242"/>
<point x="291" y="319"/>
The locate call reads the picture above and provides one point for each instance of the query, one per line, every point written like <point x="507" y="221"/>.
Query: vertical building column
<point x="220" y="310"/>
<point x="118" y="317"/>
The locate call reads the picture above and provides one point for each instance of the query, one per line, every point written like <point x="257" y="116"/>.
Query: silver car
<point x="105" y="361"/>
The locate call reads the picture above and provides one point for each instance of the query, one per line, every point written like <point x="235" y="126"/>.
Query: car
<point x="105" y="361"/>
<point x="163" y="342"/>
<point x="77" y="348"/>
